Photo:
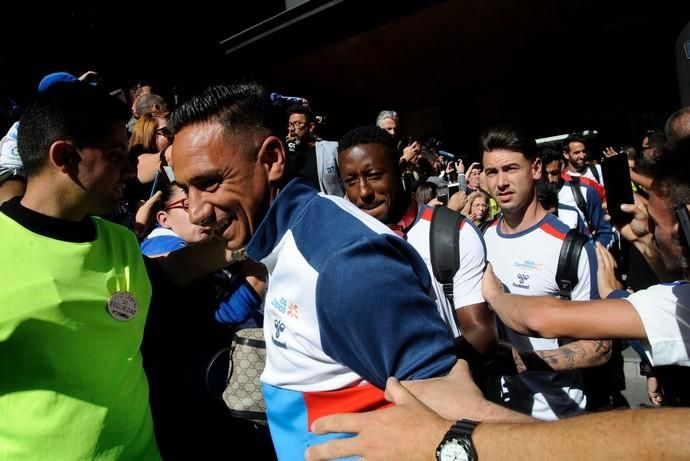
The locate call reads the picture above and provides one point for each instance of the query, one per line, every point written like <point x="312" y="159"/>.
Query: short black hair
<point x="368" y="134"/>
<point x="508" y="137"/>
<point x="235" y="106"/>
<point x="549" y="154"/>
<point x="573" y="137"/>
<point x="547" y="194"/>
<point x="301" y="109"/>
<point x="78" y="112"/>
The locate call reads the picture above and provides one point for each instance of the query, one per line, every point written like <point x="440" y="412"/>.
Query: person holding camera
<point x="314" y="159"/>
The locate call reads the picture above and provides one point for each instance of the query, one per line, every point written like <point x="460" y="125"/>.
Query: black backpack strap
<point x="444" y="247"/>
<point x="580" y="201"/>
<point x="566" y="274"/>
<point x="595" y="172"/>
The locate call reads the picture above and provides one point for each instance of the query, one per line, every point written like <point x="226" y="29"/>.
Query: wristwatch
<point x="238" y="255"/>
<point x="457" y="443"/>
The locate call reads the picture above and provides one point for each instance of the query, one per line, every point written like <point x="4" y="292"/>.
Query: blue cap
<point x="55" y="78"/>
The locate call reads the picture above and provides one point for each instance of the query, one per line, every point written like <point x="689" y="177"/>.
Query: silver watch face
<point x="454" y="450"/>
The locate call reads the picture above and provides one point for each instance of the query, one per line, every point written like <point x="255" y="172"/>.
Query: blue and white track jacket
<point x="347" y="306"/>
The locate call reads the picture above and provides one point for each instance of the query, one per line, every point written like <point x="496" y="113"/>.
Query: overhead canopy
<point x="457" y="65"/>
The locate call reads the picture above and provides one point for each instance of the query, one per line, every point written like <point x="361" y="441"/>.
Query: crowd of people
<point x="240" y="215"/>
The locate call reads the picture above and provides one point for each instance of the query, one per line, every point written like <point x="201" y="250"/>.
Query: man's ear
<point x="64" y="156"/>
<point x="536" y="168"/>
<point x="273" y="157"/>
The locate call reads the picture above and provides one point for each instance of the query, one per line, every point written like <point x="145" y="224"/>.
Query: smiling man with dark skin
<point x="371" y="177"/>
<point x="332" y="336"/>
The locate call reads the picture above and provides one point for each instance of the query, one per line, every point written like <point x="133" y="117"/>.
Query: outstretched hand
<point x="609" y="152"/>
<point x="606" y="272"/>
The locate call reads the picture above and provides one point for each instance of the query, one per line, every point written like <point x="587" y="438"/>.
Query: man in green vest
<point x="75" y="290"/>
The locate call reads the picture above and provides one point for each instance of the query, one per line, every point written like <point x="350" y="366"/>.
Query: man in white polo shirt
<point x="524" y="246"/>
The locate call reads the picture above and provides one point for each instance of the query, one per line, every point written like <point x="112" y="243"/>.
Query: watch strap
<point x="461" y="430"/>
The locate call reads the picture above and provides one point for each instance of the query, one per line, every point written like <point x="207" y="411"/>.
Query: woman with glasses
<point x="477" y="207"/>
<point x="173" y="230"/>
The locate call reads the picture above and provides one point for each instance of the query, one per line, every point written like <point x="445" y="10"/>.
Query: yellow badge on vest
<point x="123" y="306"/>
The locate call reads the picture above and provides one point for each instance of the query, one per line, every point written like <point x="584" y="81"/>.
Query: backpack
<point x="444" y="246"/>
<point x="566" y="272"/>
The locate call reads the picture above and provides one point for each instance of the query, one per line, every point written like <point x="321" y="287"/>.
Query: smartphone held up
<point x="616" y="173"/>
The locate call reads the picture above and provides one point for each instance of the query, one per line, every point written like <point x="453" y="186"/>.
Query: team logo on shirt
<point x="280" y="304"/>
<point x="278" y="328"/>
<point x="522" y="278"/>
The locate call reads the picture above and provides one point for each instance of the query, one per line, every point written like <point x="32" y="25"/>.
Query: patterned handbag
<point x="246" y="359"/>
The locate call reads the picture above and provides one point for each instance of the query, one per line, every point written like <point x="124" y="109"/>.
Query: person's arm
<point x="473" y="316"/>
<point x="572" y="356"/>
<point x="627" y="434"/>
<point x="462" y="180"/>
<point x="578" y="354"/>
<point x="548" y="317"/>
<point x="242" y="299"/>
<point x="409" y="155"/>
<point x="457" y="396"/>
<point x="411" y="431"/>
<point x="478" y="326"/>
<point x="195" y="261"/>
<point x="641" y="179"/>
<point x="143" y="219"/>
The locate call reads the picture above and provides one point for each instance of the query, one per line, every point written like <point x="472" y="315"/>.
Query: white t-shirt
<point x="467" y="282"/>
<point x="665" y="313"/>
<point x="526" y="263"/>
